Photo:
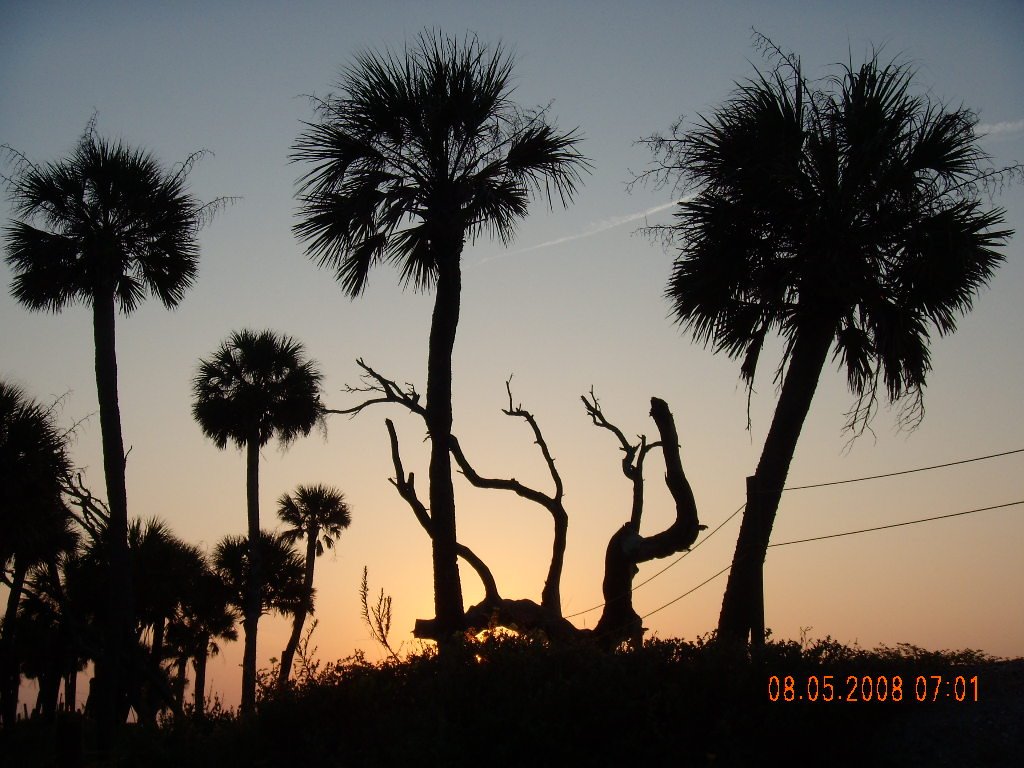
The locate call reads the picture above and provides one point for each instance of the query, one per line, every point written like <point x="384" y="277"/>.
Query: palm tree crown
<point x="315" y="512"/>
<point x="257" y="384"/>
<point x="33" y="463"/>
<point x="281" y="590"/>
<point x="111" y="219"/>
<point x="420" y="146"/>
<point x="852" y="207"/>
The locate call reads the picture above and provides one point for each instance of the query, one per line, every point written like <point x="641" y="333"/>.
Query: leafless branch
<point x="551" y="595"/>
<point x="405" y="484"/>
<point x="633" y="454"/>
<point x="387" y="391"/>
<point x="92" y="513"/>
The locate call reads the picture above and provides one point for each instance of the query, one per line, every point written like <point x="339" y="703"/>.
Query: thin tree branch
<point x="388" y="391"/>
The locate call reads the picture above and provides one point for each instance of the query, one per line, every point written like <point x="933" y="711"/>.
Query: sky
<point x="575" y="302"/>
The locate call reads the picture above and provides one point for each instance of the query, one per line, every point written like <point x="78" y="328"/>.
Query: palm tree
<point x="204" y="617"/>
<point x="845" y="217"/>
<point x="317" y="514"/>
<point x="165" y="569"/>
<point x="256" y="386"/>
<point x="105" y="226"/>
<point x="34" y="524"/>
<point x="281" y="588"/>
<point x="415" y="155"/>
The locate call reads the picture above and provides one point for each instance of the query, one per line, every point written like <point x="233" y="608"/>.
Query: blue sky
<point x="576" y="301"/>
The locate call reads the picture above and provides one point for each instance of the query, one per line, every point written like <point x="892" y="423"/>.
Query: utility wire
<point x="830" y="536"/>
<point x="834" y="535"/>
<point x="904" y="472"/>
<point x="897" y="525"/>
<point x="706" y="581"/>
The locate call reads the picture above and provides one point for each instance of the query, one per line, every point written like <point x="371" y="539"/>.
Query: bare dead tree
<point x="626" y="550"/>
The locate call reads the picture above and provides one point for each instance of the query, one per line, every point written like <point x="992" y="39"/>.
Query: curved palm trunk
<point x="252" y="598"/>
<point x="114" y="671"/>
<point x="448" y="604"/>
<point x="300" y="615"/>
<point x="742" y="613"/>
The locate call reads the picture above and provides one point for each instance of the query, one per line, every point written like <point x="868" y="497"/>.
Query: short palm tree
<point x="165" y="568"/>
<point x="317" y="514"/>
<point x="256" y="386"/>
<point x="105" y="226"/>
<point x="415" y="155"/>
<point x="845" y="217"/>
<point x="204" y="617"/>
<point x="281" y="587"/>
<point x="34" y="524"/>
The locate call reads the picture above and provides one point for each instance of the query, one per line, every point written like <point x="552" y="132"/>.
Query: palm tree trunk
<point x="448" y="606"/>
<point x="252" y="598"/>
<point x="10" y="677"/>
<point x="742" y="613"/>
<point x="114" y="671"/>
<point x="199" y="664"/>
<point x="300" y="615"/>
<point x="71" y="691"/>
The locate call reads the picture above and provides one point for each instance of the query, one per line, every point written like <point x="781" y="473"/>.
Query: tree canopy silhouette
<point x="318" y="514"/>
<point x="256" y="386"/>
<point x="415" y="154"/>
<point x="844" y="215"/>
<point x="34" y="523"/>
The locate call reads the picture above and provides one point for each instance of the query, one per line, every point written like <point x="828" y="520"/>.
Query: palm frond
<point x="420" y="143"/>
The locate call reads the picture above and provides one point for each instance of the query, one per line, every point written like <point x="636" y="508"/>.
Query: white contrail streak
<point x="1000" y="129"/>
<point x="601" y="226"/>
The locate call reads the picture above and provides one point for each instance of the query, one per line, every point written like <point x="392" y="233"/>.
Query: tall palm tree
<point x="34" y="524"/>
<point x="416" y="154"/>
<point x="845" y="217"/>
<point x="256" y="386"/>
<point x="317" y="514"/>
<point x="105" y="226"/>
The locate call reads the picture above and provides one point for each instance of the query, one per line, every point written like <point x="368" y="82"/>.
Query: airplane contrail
<point x="601" y="226"/>
<point x="1001" y="128"/>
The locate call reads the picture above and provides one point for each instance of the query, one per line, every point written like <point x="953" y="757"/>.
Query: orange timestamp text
<point x="866" y="688"/>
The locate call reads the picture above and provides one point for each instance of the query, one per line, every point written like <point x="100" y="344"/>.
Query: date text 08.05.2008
<point x="868" y="688"/>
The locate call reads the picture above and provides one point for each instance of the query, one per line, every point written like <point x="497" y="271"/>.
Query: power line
<point x="691" y="591"/>
<point x="830" y="536"/>
<point x="904" y="472"/>
<point x="897" y="525"/>
<point x="834" y="535"/>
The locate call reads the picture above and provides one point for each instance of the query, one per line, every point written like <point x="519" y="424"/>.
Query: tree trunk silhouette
<point x="300" y="614"/>
<point x="627" y="548"/>
<point x="10" y="675"/>
<point x="114" y="665"/>
<point x="742" y="606"/>
<point x="250" y="620"/>
<point x="448" y="605"/>
<point x="199" y="664"/>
